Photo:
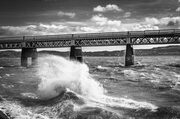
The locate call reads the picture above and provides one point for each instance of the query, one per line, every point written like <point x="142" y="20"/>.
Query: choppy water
<point x="100" y="89"/>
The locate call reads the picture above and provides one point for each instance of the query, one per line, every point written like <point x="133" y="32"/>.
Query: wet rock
<point x="3" y="115"/>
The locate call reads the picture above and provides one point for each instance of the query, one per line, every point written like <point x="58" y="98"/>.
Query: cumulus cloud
<point x="109" y="7"/>
<point x="49" y="29"/>
<point x="127" y="14"/>
<point x="97" y="23"/>
<point x="69" y="14"/>
<point x="178" y="9"/>
<point x="41" y="29"/>
<point x="101" y="20"/>
<point x="166" y="21"/>
<point x="152" y="20"/>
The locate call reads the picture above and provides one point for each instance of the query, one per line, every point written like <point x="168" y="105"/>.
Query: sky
<point x="50" y="17"/>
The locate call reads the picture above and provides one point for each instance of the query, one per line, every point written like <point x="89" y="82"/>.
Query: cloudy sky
<point x="42" y="17"/>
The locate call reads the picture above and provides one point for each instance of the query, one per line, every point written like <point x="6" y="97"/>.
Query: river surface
<point x="101" y="88"/>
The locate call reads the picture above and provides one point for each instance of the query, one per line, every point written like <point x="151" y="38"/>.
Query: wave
<point x="68" y="90"/>
<point x="58" y="74"/>
<point x="101" y="68"/>
<point x="174" y="65"/>
<point x="70" y="104"/>
<point x="13" y="110"/>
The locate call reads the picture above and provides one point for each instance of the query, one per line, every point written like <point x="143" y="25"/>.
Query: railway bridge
<point x="29" y="44"/>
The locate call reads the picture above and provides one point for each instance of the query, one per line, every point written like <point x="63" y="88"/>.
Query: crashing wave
<point x="67" y="90"/>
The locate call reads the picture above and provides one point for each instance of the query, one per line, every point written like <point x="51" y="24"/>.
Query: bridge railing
<point x="167" y="32"/>
<point x="11" y="39"/>
<point x="136" y="33"/>
<point x="160" y="32"/>
<point x="49" y="37"/>
<point x="100" y="35"/>
<point x="91" y="35"/>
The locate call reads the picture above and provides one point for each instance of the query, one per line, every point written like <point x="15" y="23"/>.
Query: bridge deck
<point x="169" y="36"/>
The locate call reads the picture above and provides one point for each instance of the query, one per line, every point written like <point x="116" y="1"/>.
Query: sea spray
<point x="58" y="74"/>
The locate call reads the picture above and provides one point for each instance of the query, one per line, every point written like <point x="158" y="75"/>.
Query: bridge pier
<point x="26" y="53"/>
<point x="76" y="53"/>
<point x="129" y="57"/>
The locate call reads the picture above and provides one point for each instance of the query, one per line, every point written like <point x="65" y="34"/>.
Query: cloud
<point x="104" y="21"/>
<point x="152" y="20"/>
<point x="69" y="14"/>
<point x="104" y="24"/>
<point x="165" y="21"/>
<point x="178" y="9"/>
<point x="41" y="29"/>
<point x="127" y="14"/>
<point x="109" y="7"/>
<point x="97" y="23"/>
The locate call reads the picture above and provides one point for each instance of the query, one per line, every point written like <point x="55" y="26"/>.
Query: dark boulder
<point x="3" y="115"/>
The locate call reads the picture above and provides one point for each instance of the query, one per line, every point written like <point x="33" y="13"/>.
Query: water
<point x="102" y="88"/>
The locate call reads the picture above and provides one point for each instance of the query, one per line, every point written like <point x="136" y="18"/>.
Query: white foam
<point x="8" y="75"/>
<point x="177" y="75"/>
<point x="127" y="103"/>
<point x="99" y="67"/>
<point x="109" y="101"/>
<point x="58" y="74"/>
<point x="30" y="95"/>
<point x="16" y="111"/>
<point x="7" y="86"/>
<point x="130" y="73"/>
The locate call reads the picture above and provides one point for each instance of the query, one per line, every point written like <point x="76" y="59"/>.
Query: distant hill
<point x="169" y="50"/>
<point x="58" y="53"/>
<point x="10" y="54"/>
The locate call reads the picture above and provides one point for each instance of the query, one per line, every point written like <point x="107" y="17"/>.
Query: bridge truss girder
<point x="91" y="42"/>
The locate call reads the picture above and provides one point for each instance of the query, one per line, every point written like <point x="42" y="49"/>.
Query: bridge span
<point x="29" y="44"/>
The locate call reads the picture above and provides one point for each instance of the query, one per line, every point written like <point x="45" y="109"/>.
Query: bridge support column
<point x="24" y="57"/>
<point x="76" y="53"/>
<point x="129" y="57"/>
<point x="34" y="56"/>
<point x="26" y="53"/>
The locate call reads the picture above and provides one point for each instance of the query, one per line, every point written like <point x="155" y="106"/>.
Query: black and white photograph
<point x="89" y="59"/>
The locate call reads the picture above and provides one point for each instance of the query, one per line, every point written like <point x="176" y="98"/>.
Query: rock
<point x="3" y="115"/>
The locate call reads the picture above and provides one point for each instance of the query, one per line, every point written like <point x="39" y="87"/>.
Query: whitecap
<point x="8" y="75"/>
<point x="58" y="74"/>
<point x="17" y="111"/>
<point x="30" y="95"/>
<point x="101" y="67"/>
<point x="7" y="86"/>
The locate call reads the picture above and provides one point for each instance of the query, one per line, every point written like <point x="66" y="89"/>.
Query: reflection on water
<point x="101" y="88"/>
